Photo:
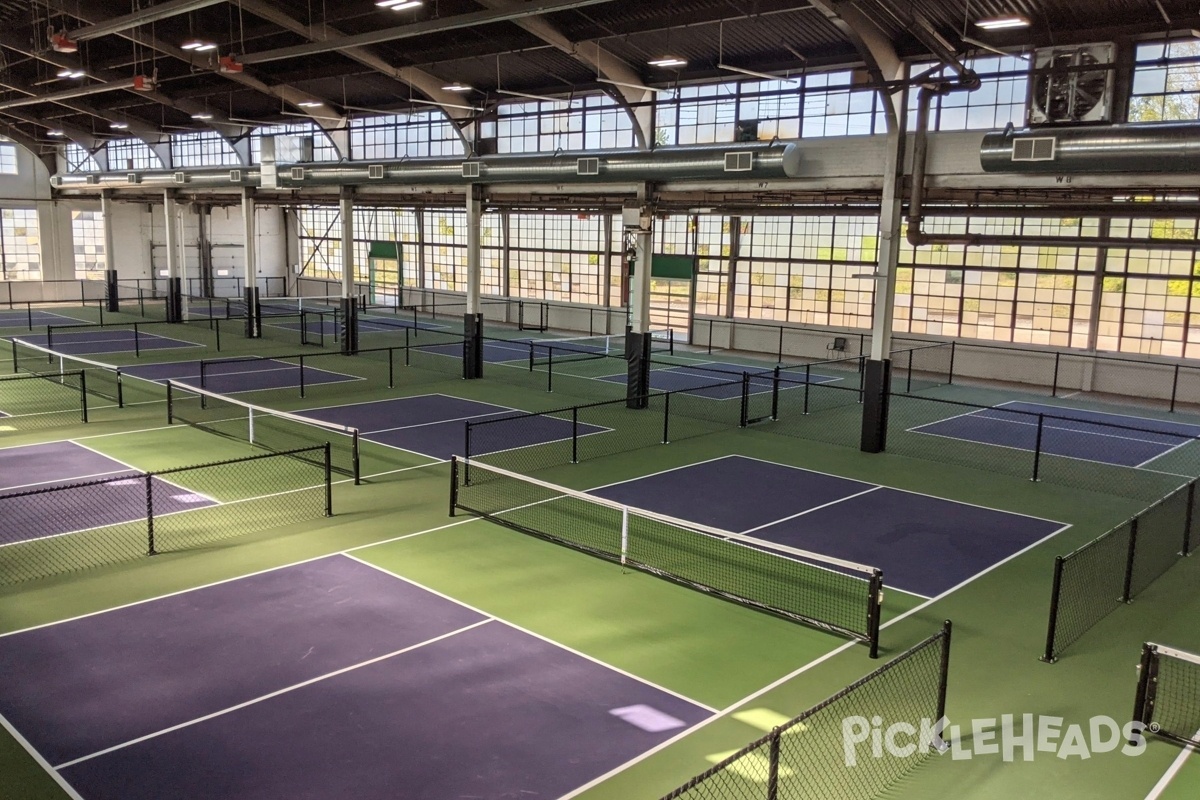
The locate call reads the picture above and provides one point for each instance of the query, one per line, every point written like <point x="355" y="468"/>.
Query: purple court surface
<point x="328" y="679"/>
<point x="924" y="545"/>
<point x="1071" y="432"/>
<point x="231" y="377"/>
<point x="719" y="380"/>
<point x="105" y="340"/>
<point x="434" y="425"/>
<point x="20" y="318"/>
<point x="30" y="511"/>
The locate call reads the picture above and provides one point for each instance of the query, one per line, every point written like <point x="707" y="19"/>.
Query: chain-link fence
<point x="103" y="380"/>
<point x="826" y="752"/>
<point x="43" y="400"/>
<point x="1112" y="569"/>
<point x="83" y="524"/>
<point x="1168" y="693"/>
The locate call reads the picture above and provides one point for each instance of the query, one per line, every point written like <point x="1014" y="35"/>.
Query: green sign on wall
<point x="672" y="267"/>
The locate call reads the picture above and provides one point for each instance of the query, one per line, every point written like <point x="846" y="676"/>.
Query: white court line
<point x="810" y="510"/>
<point x="1084" y="432"/>
<point x="184" y="489"/>
<point x="1184" y="443"/>
<point x="276" y="693"/>
<point x="1098" y="413"/>
<point x="1171" y="772"/>
<point x="41" y="762"/>
<point x="71" y="479"/>
<point x="534" y="634"/>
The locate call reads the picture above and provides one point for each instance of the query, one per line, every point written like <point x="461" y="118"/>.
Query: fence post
<point x="574" y="434"/>
<point x="950" y="377"/>
<point x="710" y="327"/>
<point x="392" y="367"/>
<point x="328" y="480"/>
<point x="469" y="455"/>
<point x="356" y="461"/>
<point x="1174" y="387"/>
<point x="84" y="416"/>
<point x="745" y="416"/>
<point x="137" y="342"/>
<point x="807" y="383"/>
<point x="1037" y="447"/>
<point x="874" y="611"/>
<point x="453" y="484"/>
<point x="908" y="384"/>
<point x="150" y="549"/>
<point x="549" y="368"/>
<point x="773" y="766"/>
<point x="1055" y="590"/>
<point x="943" y="678"/>
<point x="301" y="376"/>
<point x="1054" y="385"/>
<point x="666" y="418"/>
<point x="1147" y="685"/>
<point x="1187" y="523"/>
<point x="780" y="357"/>
<point x="170" y="403"/>
<point x="217" y="329"/>
<point x="775" y="394"/>
<point x="15" y="361"/>
<point x="1129" y="561"/>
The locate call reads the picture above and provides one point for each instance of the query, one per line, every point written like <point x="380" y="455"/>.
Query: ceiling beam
<point x="67" y="94"/>
<point x="143" y="17"/>
<point x="424" y="28"/>
<point x="18" y="136"/>
<point x="429" y="85"/>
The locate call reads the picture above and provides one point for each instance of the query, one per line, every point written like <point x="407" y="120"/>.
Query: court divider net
<point x="103" y="380"/>
<point x="813" y="755"/>
<point x="1168" y="693"/>
<point x="827" y="593"/>
<point x="269" y="429"/>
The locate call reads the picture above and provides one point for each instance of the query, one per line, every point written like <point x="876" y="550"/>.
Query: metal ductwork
<point x="1164" y="147"/>
<point x="741" y="162"/>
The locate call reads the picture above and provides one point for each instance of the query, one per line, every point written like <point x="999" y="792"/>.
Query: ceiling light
<point x="55" y="132"/>
<point x="70" y="73"/>
<point x="399" y="5"/>
<point x="310" y="104"/>
<point x="669" y="61"/>
<point x="456" y="87"/>
<point x="120" y="126"/>
<point x="198" y="46"/>
<point x="202" y="115"/>
<point x="1003" y="22"/>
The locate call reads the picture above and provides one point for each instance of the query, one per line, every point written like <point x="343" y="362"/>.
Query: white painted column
<point x="639" y="286"/>
<point x="106" y="211"/>
<point x="474" y="259"/>
<point x="889" y="249"/>
<point x="249" y="241"/>
<point x="171" y="233"/>
<point x="347" y="211"/>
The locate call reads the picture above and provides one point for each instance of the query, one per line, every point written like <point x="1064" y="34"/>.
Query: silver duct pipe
<point x="967" y="81"/>
<point x="1162" y="147"/>
<point x="761" y="161"/>
<point x="138" y="18"/>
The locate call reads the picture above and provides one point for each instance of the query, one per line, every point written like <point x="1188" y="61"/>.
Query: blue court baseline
<point x="925" y="545"/>
<point x="434" y="425"/>
<point x="1073" y="433"/>
<point x="328" y="678"/>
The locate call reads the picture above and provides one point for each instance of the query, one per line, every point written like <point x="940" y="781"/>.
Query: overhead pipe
<point x="138" y="18"/>
<point x="967" y="81"/>
<point x="1160" y="147"/>
<point x="69" y="94"/>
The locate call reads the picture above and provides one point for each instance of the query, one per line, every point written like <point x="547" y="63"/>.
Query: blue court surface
<point x="434" y="425"/>
<point x="331" y="679"/>
<point x="20" y="318"/>
<point x="328" y="327"/>
<point x="105" y="340"/>
<point x="232" y="377"/>
<point x="28" y="469"/>
<point x="719" y="380"/>
<point x="925" y="545"/>
<point x="1071" y="432"/>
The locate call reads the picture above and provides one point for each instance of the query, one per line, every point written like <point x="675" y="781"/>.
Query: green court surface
<point x="730" y="658"/>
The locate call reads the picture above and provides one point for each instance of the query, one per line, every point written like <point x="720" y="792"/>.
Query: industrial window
<point x="558" y="257"/>
<point x="87" y="233"/>
<point x="202" y="149"/>
<point x="1166" y="82"/>
<point x="322" y="147"/>
<point x="8" y="158"/>
<point x="128" y="154"/>
<point x="20" y="245"/>
<point x="79" y="159"/>
<point x="595" y="122"/>
<point x="427" y="134"/>
<point x="999" y="100"/>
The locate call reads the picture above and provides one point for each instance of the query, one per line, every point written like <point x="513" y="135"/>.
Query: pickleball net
<point x="265" y="428"/>
<point x="827" y="593"/>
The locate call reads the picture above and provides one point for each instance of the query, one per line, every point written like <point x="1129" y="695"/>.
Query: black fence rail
<point x="1113" y="569"/>
<point x="830" y="594"/>
<point x="808" y="756"/>
<point x="43" y="399"/>
<point x="1168" y="693"/>
<point x="265" y="428"/>
<point x="79" y="292"/>
<point x="75" y="526"/>
<point x="101" y="380"/>
<point x="30" y="315"/>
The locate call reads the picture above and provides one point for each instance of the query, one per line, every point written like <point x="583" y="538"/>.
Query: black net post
<point x="877" y="379"/>
<point x="1187" y="522"/>
<point x="908" y="385"/>
<point x="328" y="480"/>
<point x="1127" y="591"/>
<point x="807" y="383"/>
<point x="874" y="611"/>
<point x="301" y="376"/>
<point x="775" y="393"/>
<point x="779" y="354"/>
<point x="357" y="465"/>
<point x="150" y="549"/>
<point x="391" y="361"/>
<point x="944" y="677"/>
<point x="170" y="403"/>
<point x="710" y="329"/>
<point x="1054" y="382"/>
<point x="550" y="369"/>
<point x="111" y="292"/>
<point x="744" y="418"/>
<point x="83" y="414"/>
<point x="574" y="434"/>
<point x="454" y="482"/>
<point x="1143" y="703"/>
<point x="1037" y="447"/>
<point x="1174" y="387"/>
<point x="1055" y="593"/>
<point x="137" y="341"/>
<point x="950" y="371"/>
<point x="666" y="418"/>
